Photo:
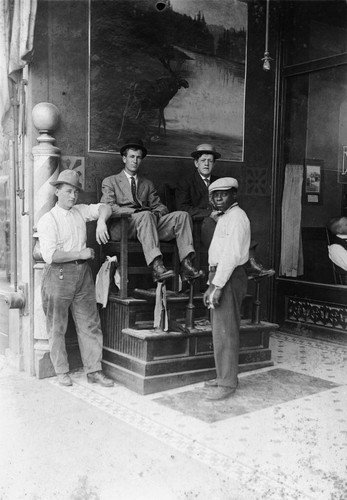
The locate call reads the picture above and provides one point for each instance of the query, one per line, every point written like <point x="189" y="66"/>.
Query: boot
<point x="160" y="273"/>
<point x="257" y="270"/>
<point x="188" y="271"/>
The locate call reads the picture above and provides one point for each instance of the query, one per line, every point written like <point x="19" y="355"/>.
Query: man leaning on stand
<point x="150" y="221"/>
<point x="67" y="282"/>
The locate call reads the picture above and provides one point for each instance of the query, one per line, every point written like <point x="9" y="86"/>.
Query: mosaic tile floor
<point x="255" y="392"/>
<point x="291" y="444"/>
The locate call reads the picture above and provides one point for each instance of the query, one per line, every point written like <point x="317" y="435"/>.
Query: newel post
<point x="46" y="169"/>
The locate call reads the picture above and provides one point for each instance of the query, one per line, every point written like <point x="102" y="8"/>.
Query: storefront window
<point x="315" y="125"/>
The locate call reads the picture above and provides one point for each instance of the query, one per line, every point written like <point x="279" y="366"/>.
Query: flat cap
<point x="223" y="184"/>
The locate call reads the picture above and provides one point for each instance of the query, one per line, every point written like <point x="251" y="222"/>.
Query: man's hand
<point x="212" y="297"/>
<point x="87" y="253"/>
<point x="215" y="215"/>
<point x="102" y="235"/>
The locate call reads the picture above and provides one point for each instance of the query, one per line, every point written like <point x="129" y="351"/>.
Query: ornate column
<point x="46" y="169"/>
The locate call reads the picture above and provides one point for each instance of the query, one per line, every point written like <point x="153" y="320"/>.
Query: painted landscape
<point x="174" y="77"/>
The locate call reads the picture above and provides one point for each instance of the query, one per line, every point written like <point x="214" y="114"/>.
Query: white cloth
<point x="230" y="244"/>
<point x="292" y="260"/>
<point x="65" y="230"/>
<point x="14" y="53"/>
<point x="4" y="57"/>
<point x="161" y="307"/>
<point x="102" y="281"/>
<point x="338" y="254"/>
<point x="22" y="36"/>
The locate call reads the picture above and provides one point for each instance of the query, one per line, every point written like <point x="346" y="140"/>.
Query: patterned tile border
<point x="249" y="479"/>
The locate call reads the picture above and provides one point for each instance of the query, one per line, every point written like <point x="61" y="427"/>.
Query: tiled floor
<point x="292" y="447"/>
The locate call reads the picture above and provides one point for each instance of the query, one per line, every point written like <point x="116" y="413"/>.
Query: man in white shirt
<point x="338" y="245"/>
<point x="228" y="252"/>
<point x="67" y="281"/>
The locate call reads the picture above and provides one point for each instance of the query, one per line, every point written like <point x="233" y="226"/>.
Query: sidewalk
<point x="282" y="436"/>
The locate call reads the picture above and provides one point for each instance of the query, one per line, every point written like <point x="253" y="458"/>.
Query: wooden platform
<point x="148" y="361"/>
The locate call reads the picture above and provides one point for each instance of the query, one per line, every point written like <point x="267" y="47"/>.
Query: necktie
<point x="133" y="191"/>
<point x="207" y="182"/>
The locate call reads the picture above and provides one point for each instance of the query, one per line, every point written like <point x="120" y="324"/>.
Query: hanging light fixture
<point x="266" y="59"/>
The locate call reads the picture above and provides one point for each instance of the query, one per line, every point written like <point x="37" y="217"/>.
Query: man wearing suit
<point x="150" y="221"/>
<point x="192" y="191"/>
<point x="192" y="196"/>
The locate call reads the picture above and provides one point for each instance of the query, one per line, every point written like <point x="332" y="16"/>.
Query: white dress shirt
<point x="338" y="254"/>
<point x="65" y="230"/>
<point x="230" y="244"/>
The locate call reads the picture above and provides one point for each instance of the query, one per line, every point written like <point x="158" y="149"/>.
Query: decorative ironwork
<point x="333" y="316"/>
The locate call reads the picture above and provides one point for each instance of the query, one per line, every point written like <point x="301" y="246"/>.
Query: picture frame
<point x="174" y="77"/>
<point x="313" y="181"/>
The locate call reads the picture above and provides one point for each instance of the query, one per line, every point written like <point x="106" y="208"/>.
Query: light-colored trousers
<point x="71" y="286"/>
<point x="150" y="231"/>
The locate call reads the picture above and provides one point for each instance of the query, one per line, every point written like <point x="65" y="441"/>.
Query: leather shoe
<point x="220" y="392"/>
<point x="99" y="378"/>
<point x="256" y="270"/>
<point x="188" y="271"/>
<point x="160" y="273"/>
<point x="64" y="379"/>
<point x="211" y="383"/>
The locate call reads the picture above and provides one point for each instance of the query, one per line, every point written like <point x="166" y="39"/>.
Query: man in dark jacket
<point x="192" y="191"/>
<point x="192" y="196"/>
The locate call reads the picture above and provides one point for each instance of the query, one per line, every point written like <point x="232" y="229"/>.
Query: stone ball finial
<point x="45" y="116"/>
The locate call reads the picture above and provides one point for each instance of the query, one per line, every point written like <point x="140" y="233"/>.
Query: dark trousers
<point x="74" y="291"/>
<point x="225" y="321"/>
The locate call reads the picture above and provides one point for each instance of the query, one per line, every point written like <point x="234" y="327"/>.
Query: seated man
<point x="192" y="191"/>
<point x="150" y="221"/>
<point x="192" y="196"/>
<point x="338" y="243"/>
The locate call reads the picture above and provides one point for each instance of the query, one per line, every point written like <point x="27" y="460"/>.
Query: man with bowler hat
<point x="192" y="190"/>
<point x="67" y="282"/>
<point x="228" y="252"/>
<point x="150" y="221"/>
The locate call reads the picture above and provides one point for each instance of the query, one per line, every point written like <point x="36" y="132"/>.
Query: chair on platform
<point x="340" y="275"/>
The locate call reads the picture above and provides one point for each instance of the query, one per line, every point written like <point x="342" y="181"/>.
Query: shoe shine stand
<point x="149" y="359"/>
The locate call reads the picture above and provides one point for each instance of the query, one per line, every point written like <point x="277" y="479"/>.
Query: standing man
<point x="228" y="252"/>
<point x="150" y="221"/>
<point x="67" y="281"/>
<point x="192" y="191"/>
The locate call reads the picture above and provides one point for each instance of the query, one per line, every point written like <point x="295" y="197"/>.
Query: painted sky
<point x="227" y="13"/>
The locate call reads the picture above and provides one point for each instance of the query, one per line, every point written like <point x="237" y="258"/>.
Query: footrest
<point x="150" y="295"/>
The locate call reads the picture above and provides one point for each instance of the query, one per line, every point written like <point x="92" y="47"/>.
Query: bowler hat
<point x="134" y="143"/>
<point x="68" y="177"/>
<point x="223" y="184"/>
<point x="207" y="149"/>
